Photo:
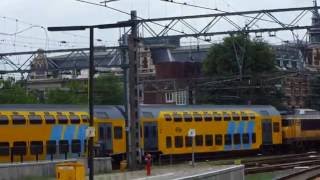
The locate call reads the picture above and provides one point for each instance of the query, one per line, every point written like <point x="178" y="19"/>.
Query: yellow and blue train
<point x="37" y="132"/>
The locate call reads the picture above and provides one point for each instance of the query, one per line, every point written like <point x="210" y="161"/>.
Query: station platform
<point x="181" y="172"/>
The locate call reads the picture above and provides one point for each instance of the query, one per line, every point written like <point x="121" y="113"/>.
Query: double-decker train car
<point x="38" y="132"/>
<point x="218" y="128"/>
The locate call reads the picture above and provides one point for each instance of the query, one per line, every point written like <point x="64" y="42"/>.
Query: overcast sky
<point x="70" y="12"/>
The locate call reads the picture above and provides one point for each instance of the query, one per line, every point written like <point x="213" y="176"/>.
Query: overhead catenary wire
<point x="140" y="18"/>
<point x="219" y="10"/>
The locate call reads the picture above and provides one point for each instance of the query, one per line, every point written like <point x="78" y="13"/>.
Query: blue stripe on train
<point x="82" y="135"/>
<point x="240" y="131"/>
<point x="250" y="130"/>
<point x="230" y="130"/>
<point x="68" y="134"/>
<point x="56" y="132"/>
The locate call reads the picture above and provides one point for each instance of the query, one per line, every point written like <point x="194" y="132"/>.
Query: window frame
<point x="198" y="140"/>
<point x="50" y="117"/>
<point x="16" y="121"/>
<point x="180" y="140"/>
<point x="168" y="141"/>
<point x="187" y="117"/>
<point x="117" y="132"/>
<point x="208" y="141"/>
<point x="227" y="139"/>
<point x="6" y="120"/>
<point x="32" y="120"/>
<point x="218" y="140"/>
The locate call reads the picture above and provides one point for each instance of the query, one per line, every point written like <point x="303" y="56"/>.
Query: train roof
<point x="101" y="111"/>
<point x="302" y="116"/>
<point x="117" y="112"/>
<point x="260" y="109"/>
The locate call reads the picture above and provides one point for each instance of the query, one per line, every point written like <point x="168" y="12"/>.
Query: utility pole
<point x="91" y="103"/>
<point x="133" y="99"/>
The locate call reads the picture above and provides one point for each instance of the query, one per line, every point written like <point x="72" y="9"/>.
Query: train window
<point x="4" y="148"/>
<point x="209" y="140"/>
<point x="62" y="119"/>
<point x="245" y="138"/>
<point x="50" y="119"/>
<point x="117" y="132"/>
<point x="252" y="116"/>
<point x="207" y="117"/>
<point x="187" y="117"/>
<point x="63" y="146"/>
<point x="4" y="119"/>
<point x="197" y="116"/>
<point x="85" y="118"/>
<point x="178" y="141"/>
<point x="169" y="141"/>
<point x="285" y="123"/>
<point x="51" y="147"/>
<point x="75" y="146"/>
<point x="276" y="127"/>
<point x="18" y="119"/>
<point x="19" y="147"/>
<point x="35" y="119"/>
<point x="199" y="140"/>
<point x="217" y="117"/>
<point x="85" y="145"/>
<point x="236" y="139"/>
<point x="74" y="119"/>
<point x="226" y="117"/>
<point x="218" y="139"/>
<point x="146" y="132"/>
<point x="188" y="141"/>
<point x="310" y="124"/>
<point x="244" y="116"/>
<point x="253" y="136"/>
<point x="235" y="116"/>
<point x="36" y="147"/>
<point x="167" y="117"/>
<point x="177" y="117"/>
<point x="227" y="139"/>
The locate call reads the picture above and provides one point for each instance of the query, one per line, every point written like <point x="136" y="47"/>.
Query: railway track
<point x="281" y="163"/>
<point x="307" y="173"/>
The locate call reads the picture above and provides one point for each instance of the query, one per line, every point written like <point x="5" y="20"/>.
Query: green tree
<point x="251" y="60"/>
<point x="12" y="92"/>
<point x="255" y="56"/>
<point x="108" y="90"/>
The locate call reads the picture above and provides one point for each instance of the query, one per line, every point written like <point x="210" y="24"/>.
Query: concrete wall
<point x="19" y="171"/>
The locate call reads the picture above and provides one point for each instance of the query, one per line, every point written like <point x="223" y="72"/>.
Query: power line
<point x="216" y="9"/>
<point x="127" y="13"/>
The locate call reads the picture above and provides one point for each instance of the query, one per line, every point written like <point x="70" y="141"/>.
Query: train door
<point x="266" y="131"/>
<point x="105" y="138"/>
<point x="150" y="135"/>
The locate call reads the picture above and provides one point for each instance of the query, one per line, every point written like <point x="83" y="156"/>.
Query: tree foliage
<point x="14" y="93"/>
<point x="256" y="56"/>
<point x="108" y="89"/>
<point x="224" y="61"/>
